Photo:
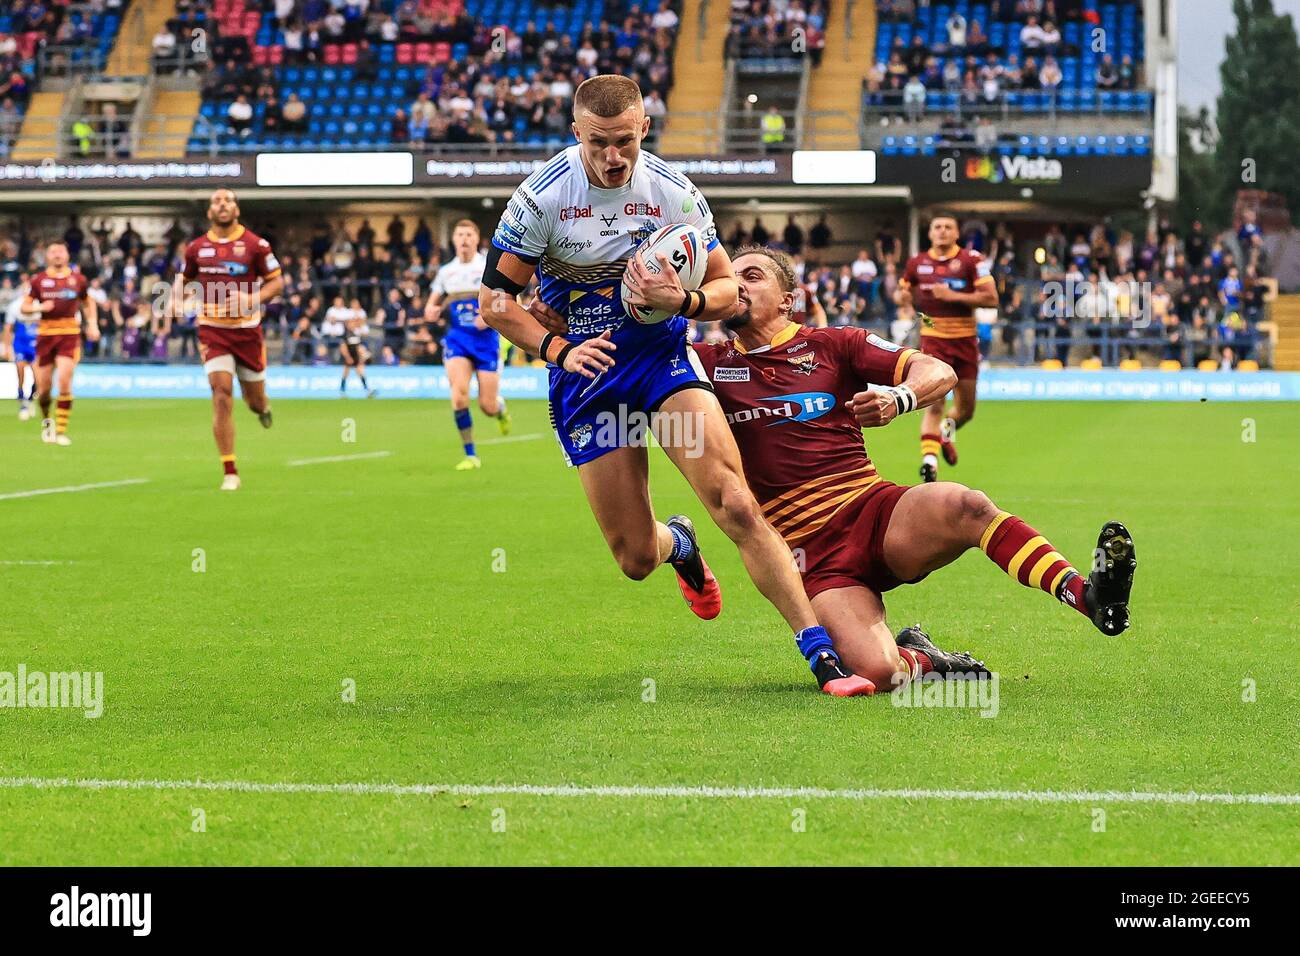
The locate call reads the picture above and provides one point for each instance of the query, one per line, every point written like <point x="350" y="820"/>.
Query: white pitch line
<point x="70" y="488"/>
<point x="322" y="461"/>
<point x="705" y="793"/>
<point x="33" y="564"/>
<point x="509" y="438"/>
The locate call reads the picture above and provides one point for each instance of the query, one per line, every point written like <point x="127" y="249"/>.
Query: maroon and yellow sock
<point x="930" y="444"/>
<point x="228" y="463"/>
<point x="918" y="662"/>
<point x="61" y="413"/>
<point x="1028" y="557"/>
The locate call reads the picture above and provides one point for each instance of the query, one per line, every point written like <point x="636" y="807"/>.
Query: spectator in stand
<point x="1032" y="36"/>
<point x="293" y="116"/>
<point x="1107" y="73"/>
<point x="240" y="116"/>
<point x="956" y="27"/>
<point x="163" y="46"/>
<point x="1050" y="75"/>
<point x="914" y="99"/>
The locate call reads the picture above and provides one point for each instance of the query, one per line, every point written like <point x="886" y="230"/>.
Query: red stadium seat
<point x="277" y="55"/>
<point x="260" y="57"/>
<point x="405" y="53"/>
<point x="441" y="52"/>
<point x="423" y="52"/>
<point x="349" y="53"/>
<point x="332" y="54"/>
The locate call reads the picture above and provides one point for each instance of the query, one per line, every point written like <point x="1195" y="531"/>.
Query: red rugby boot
<point x="699" y="586"/>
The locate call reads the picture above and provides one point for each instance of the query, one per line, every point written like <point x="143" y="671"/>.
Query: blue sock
<point x="464" y="421"/>
<point x="812" y="641"/>
<point x="681" y="544"/>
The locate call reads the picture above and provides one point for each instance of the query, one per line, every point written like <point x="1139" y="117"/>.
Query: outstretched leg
<point x="934" y="524"/>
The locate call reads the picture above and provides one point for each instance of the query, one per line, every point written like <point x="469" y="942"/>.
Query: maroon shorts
<point x="48" y="347"/>
<point x="962" y="354"/>
<point x="849" y="551"/>
<point x="245" y="346"/>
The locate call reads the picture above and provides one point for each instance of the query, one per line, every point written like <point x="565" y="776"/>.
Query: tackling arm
<point x="926" y="380"/>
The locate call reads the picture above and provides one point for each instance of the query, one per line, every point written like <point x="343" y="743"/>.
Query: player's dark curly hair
<point x="781" y="265"/>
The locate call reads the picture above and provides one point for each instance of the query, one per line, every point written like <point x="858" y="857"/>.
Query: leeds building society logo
<point x="1014" y="169"/>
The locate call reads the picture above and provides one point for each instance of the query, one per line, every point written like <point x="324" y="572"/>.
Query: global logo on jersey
<point x="1014" y="169"/>
<point x="575" y="212"/>
<point x="795" y="407"/>
<point x="641" y="209"/>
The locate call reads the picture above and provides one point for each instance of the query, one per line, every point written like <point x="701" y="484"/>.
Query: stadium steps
<point x="699" y="78"/>
<point x="134" y="47"/>
<point x="836" y="85"/>
<point x="167" y="128"/>
<point x="38" y="138"/>
<point x="1286" y="316"/>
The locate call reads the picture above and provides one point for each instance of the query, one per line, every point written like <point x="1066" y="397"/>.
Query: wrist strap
<point x="564" y="353"/>
<point x="686" y="305"/>
<point x="542" y="349"/>
<point x="904" y="399"/>
<point x="699" y="305"/>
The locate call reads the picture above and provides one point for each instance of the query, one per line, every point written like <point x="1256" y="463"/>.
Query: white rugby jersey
<point x="583" y="235"/>
<point x="458" y="283"/>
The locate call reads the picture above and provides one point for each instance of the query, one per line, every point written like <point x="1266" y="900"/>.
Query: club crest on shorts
<point x="581" y="437"/>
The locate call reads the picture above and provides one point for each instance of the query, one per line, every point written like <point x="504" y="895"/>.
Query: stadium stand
<point x="998" y="66"/>
<point x="1088" y="292"/>
<point x="41" y="40"/>
<point x="496" y="72"/>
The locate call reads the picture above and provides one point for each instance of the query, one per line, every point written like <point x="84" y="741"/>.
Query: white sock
<point x="930" y="460"/>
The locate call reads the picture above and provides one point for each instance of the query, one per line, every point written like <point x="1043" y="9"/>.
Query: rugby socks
<point x="364" y="384"/>
<point x="45" y="406"/>
<point x="1028" y="557"/>
<point x="681" y="544"/>
<point x="62" y="411"/>
<point x="918" y="662"/>
<point x="930" y="446"/>
<point x="343" y="384"/>
<point x="228" y="465"/>
<point x="464" y="423"/>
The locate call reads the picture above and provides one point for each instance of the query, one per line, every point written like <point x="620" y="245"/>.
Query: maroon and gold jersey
<point x="786" y="405"/>
<point x="961" y="272"/>
<point x="67" y="290"/>
<point x="225" y="269"/>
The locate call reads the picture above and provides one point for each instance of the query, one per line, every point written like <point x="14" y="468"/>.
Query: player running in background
<point x="578" y="221"/>
<point x="471" y="349"/>
<point x="235" y="271"/>
<point x="20" y="342"/>
<point x="353" y="349"/>
<point x="947" y="283"/>
<point x="797" y="400"/>
<point x="60" y="295"/>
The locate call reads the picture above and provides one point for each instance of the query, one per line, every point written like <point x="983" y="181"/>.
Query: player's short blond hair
<point x="782" y="268"/>
<point x="469" y="223"/>
<point x="607" y="95"/>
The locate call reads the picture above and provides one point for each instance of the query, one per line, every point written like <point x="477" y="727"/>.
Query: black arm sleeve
<point x="494" y="278"/>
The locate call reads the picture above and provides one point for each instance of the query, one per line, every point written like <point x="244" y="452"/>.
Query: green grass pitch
<point x="492" y="641"/>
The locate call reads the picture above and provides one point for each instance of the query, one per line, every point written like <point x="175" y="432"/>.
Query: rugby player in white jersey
<point x="577" y="221"/>
<point x="470" y="348"/>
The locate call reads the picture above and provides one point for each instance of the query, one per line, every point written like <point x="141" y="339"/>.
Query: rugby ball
<point x="684" y="247"/>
